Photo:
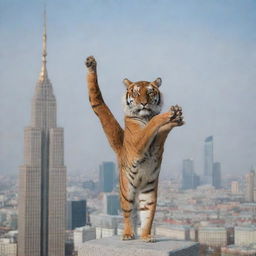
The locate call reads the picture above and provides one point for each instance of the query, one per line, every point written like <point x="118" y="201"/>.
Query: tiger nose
<point x="143" y="104"/>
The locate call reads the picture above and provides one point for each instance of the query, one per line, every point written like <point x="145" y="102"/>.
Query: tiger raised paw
<point x="91" y="63"/>
<point x="177" y="118"/>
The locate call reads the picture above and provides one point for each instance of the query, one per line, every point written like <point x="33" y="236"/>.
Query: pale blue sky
<point x="205" y="52"/>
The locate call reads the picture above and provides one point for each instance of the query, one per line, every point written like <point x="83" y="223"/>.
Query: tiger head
<point x="142" y="99"/>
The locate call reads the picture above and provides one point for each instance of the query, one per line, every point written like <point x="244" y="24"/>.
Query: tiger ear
<point x="157" y="82"/>
<point x="127" y="82"/>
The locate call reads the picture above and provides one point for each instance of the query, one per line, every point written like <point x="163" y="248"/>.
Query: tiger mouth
<point x="148" y="109"/>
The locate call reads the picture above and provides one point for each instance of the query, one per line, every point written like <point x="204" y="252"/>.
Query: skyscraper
<point x="190" y="180"/>
<point x="187" y="174"/>
<point x="42" y="181"/>
<point x="111" y="203"/>
<point x="250" y="195"/>
<point x="208" y="160"/>
<point x="216" y="175"/>
<point x="107" y="177"/>
<point x="76" y="214"/>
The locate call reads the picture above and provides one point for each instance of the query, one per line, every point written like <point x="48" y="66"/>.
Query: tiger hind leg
<point x="128" y="233"/>
<point x="127" y="201"/>
<point x="147" y="207"/>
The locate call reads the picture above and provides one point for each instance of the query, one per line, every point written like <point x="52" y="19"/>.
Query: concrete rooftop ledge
<point x="114" y="246"/>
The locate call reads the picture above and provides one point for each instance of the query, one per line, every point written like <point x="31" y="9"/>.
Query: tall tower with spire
<point x="42" y="180"/>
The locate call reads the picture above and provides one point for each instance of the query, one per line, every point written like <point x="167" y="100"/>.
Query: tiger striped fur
<point x="139" y="147"/>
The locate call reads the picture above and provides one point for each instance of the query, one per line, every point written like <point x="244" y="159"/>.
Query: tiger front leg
<point x="150" y="131"/>
<point x="95" y="97"/>
<point x="111" y="127"/>
<point x="175" y="121"/>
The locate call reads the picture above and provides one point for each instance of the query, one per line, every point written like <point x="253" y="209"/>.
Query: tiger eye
<point x="151" y="93"/>
<point x="135" y="93"/>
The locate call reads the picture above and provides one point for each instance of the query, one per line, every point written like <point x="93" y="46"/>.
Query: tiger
<point x="139" y="146"/>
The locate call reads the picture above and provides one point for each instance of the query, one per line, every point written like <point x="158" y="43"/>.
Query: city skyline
<point x="203" y="52"/>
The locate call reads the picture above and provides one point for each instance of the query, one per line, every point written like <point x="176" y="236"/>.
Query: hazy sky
<point x="204" y="51"/>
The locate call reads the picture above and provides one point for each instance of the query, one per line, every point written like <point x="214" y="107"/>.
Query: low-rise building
<point x="233" y="250"/>
<point x="245" y="235"/>
<point x="234" y="187"/>
<point x="178" y="232"/>
<point x="7" y="248"/>
<point x="212" y="236"/>
<point x="105" y="232"/>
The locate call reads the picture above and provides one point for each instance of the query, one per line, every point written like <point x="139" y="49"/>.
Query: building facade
<point x="212" y="236"/>
<point x="7" y="247"/>
<point x="190" y="180"/>
<point x="107" y="177"/>
<point x="111" y="204"/>
<point x="82" y="235"/>
<point x="216" y="175"/>
<point x="76" y="214"/>
<point x="42" y="180"/>
<point x="234" y="187"/>
<point x="208" y="160"/>
<point x="177" y="232"/>
<point x="245" y="235"/>
<point x="250" y="186"/>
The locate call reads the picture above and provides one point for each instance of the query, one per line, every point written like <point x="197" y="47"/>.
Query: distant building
<point x="189" y="178"/>
<point x="234" y="250"/>
<point x="187" y="174"/>
<point x="250" y="186"/>
<point x="234" y="187"/>
<point x="76" y="214"/>
<point x="89" y="184"/>
<point x="105" y="232"/>
<point x="82" y="235"/>
<point x="208" y="160"/>
<point x="212" y="236"/>
<point x="216" y="175"/>
<point x="245" y="235"/>
<point x="106" y="221"/>
<point x="107" y="177"/>
<point x="177" y="232"/>
<point x="7" y="248"/>
<point x="111" y="203"/>
<point x="3" y="217"/>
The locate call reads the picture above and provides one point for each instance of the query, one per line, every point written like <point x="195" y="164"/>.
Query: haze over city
<point x="204" y="51"/>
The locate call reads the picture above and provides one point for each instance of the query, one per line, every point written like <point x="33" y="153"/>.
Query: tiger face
<point x="142" y="99"/>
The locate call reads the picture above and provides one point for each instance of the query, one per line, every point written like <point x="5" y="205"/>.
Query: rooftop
<point x="113" y="246"/>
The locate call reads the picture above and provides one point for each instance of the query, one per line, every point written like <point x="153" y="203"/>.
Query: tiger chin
<point x="139" y="146"/>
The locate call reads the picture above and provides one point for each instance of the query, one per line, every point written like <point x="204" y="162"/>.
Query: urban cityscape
<point x="46" y="210"/>
<point x="219" y="214"/>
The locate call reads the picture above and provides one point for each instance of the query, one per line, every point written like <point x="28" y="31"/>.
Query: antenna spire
<point x="43" y="74"/>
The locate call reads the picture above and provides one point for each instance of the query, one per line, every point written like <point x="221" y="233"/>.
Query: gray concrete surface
<point x="114" y="246"/>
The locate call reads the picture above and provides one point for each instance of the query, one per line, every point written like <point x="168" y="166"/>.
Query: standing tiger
<point x="139" y="147"/>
